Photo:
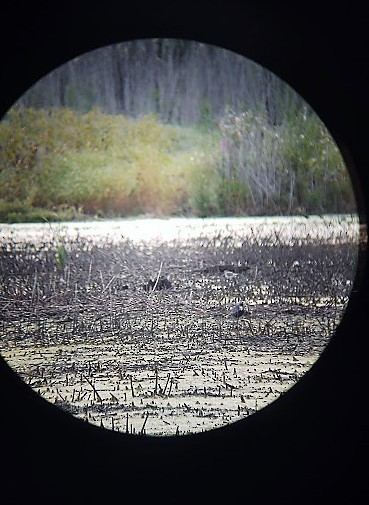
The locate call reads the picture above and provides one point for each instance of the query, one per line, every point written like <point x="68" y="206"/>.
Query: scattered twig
<point x="131" y="383"/>
<point x="93" y="388"/>
<point x="157" y="279"/>
<point x="108" y="284"/>
<point x="144" y="424"/>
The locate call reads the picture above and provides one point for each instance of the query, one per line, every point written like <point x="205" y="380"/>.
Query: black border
<point x="313" y="443"/>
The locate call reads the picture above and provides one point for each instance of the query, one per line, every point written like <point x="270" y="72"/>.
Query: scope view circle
<point x="179" y="237"/>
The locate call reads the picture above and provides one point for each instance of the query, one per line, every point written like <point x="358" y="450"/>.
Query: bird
<point x="238" y="310"/>
<point x="228" y="274"/>
<point x="161" y="283"/>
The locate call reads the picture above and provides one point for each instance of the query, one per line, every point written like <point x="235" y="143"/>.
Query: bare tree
<point x="181" y="81"/>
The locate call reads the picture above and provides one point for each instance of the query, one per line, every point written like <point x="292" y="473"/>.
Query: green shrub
<point x="58" y="163"/>
<point x="294" y="166"/>
<point x="233" y="198"/>
<point x="322" y="180"/>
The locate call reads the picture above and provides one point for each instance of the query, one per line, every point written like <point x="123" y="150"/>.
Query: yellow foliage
<point x="95" y="161"/>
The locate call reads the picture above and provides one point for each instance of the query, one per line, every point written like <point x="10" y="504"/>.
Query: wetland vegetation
<point x="86" y="333"/>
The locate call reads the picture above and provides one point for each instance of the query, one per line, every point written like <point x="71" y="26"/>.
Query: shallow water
<point x="284" y="229"/>
<point x="172" y="361"/>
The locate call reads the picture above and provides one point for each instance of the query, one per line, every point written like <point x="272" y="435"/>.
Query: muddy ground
<point x="136" y="336"/>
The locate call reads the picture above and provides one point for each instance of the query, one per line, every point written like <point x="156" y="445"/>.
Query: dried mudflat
<point x="88" y="337"/>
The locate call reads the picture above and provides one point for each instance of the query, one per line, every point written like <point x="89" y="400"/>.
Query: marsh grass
<point x="89" y="338"/>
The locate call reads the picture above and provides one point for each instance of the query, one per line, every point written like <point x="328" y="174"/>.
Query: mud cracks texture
<point x="87" y="324"/>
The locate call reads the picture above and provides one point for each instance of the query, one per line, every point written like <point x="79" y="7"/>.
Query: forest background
<point x="166" y="127"/>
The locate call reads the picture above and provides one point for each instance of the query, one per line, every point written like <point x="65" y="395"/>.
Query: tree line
<point x="183" y="82"/>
